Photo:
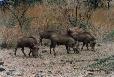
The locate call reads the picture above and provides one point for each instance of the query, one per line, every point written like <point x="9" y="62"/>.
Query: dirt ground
<point x="63" y="65"/>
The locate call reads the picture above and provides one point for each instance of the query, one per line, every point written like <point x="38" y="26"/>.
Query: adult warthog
<point x="46" y="35"/>
<point x="59" y="39"/>
<point x="85" y="37"/>
<point x="29" y="42"/>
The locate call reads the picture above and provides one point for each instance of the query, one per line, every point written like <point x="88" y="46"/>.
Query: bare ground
<point x="63" y="65"/>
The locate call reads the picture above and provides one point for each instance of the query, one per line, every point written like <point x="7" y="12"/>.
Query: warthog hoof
<point x="15" y="54"/>
<point x="68" y="52"/>
<point x="54" y="54"/>
<point x="76" y="51"/>
<point x="35" y="56"/>
<point x="93" y="50"/>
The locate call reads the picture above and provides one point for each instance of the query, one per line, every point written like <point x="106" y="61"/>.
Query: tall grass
<point x="56" y="17"/>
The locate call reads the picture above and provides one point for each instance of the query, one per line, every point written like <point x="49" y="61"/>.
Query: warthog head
<point x="35" y="51"/>
<point x="92" y="44"/>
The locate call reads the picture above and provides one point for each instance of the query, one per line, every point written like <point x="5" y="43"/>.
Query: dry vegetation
<point x="43" y="17"/>
<point x="54" y="17"/>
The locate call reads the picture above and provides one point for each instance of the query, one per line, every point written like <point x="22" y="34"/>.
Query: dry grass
<point x="51" y="16"/>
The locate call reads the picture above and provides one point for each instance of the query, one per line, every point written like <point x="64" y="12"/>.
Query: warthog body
<point x="45" y="35"/>
<point x="29" y="42"/>
<point x="84" y="37"/>
<point x="58" y="39"/>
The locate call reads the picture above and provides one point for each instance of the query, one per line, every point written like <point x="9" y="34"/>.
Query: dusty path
<point x="63" y="65"/>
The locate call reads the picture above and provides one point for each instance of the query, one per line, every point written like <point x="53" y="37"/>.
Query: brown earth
<point x="63" y="65"/>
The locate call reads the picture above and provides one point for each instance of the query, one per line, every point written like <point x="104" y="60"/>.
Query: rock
<point x="50" y="72"/>
<point x="2" y="69"/>
<point x="68" y="61"/>
<point x="44" y="51"/>
<point x="2" y="76"/>
<point x="19" y="73"/>
<point x="39" y="75"/>
<point x="1" y="62"/>
<point x="10" y="72"/>
<point x="62" y="60"/>
<point x="90" y="73"/>
<point x="99" y="45"/>
<point x="111" y="74"/>
<point x="16" y="72"/>
<point x="3" y="45"/>
<point x="107" y="72"/>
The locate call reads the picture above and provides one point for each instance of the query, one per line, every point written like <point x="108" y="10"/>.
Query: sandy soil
<point x="63" y="65"/>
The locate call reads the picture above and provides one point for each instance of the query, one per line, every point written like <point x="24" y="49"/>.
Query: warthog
<point x="87" y="39"/>
<point x="58" y="39"/>
<point x="29" y="42"/>
<point x="45" y="35"/>
<point x="84" y="37"/>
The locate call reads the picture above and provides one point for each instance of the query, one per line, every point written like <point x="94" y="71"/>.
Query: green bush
<point x="109" y="36"/>
<point x="105" y="63"/>
<point x="58" y="2"/>
<point x="80" y="23"/>
<point x="17" y="2"/>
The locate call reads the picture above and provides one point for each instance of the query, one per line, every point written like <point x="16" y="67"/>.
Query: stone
<point x="50" y="72"/>
<point x="2" y="69"/>
<point x="44" y="51"/>
<point x="10" y="72"/>
<point x="39" y="75"/>
<point x="1" y="62"/>
<point x="16" y="72"/>
<point x="19" y="73"/>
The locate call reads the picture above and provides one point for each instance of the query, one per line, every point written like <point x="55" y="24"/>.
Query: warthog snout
<point x="92" y="44"/>
<point x="35" y="51"/>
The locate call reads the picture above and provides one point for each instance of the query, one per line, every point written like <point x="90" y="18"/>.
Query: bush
<point x="104" y="64"/>
<point x="109" y="36"/>
<point x="58" y="2"/>
<point x="3" y="45"/>
<point x="80" y="23"/>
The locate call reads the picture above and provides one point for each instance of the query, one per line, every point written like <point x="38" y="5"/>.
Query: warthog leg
<point x="93" y="47"/>
<point x="15" y="51"/>
<point x="87" y="46"/>
<point x="53" y="45"/>
<point x="23" y="51"/>
<point x="30" y="52"/>
<point x="67" y="48"/>
<point x="41" y="41"/>
<point x="83" y="45"/>
<point x="76" y="50"/>
<point x="50" y="50"/>
<point x="53" y="50"/>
